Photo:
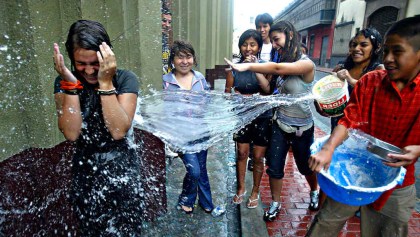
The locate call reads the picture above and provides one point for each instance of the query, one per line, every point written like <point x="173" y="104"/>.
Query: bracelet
<point x="107" y="92"/>
<point x="71" y="92"/>
<point x="67" y="85"/>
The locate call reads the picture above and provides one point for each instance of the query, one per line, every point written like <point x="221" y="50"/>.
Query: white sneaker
<point x="169" y="152"/>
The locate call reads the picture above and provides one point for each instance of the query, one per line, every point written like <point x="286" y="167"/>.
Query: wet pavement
<point x="293" y="220"/>
<point x="223" y="182"/>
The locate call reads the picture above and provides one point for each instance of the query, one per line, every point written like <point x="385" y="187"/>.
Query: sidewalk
<point x="222" y="175"/>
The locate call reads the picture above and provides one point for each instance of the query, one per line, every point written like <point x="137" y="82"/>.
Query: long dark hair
<point x="291" y="50"/>
<point x="85" y="34"/>
<point x="251" y="33"/>
<point x="180" y="46"/>
<point x="376" y="39"/>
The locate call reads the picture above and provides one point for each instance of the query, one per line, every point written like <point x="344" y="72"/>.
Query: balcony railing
<point x="305" y="14"/>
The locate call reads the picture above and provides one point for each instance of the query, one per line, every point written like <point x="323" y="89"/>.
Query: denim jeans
<point x="196" y="181"/>
<point x="279" y="146"/>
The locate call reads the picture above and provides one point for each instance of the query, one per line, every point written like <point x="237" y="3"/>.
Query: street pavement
<point x="222" y="175"/>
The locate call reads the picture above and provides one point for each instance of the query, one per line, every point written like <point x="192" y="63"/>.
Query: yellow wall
<point x="208" y="25"/>
<point x="29" y="29"/>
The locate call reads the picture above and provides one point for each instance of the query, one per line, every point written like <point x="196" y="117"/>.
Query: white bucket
<point x="331" y="94"/>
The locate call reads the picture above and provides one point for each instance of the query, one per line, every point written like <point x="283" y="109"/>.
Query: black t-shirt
<point x="95" y="136"/>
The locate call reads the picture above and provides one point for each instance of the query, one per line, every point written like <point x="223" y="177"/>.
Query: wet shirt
<point x="247" y="83"/>
<point x="94" y="134"/>
<point x="378" y="108"/>
<point x="299" y="114"/>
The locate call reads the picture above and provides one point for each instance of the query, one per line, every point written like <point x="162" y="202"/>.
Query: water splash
<point x="193" y="121"/>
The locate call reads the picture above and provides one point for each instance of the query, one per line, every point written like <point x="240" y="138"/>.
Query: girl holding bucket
<point x="258" y="131"/>
<point x="365" y="50"/>
<point x="292" y="125"/>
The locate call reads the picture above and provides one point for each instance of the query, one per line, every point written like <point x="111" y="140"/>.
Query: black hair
<point x="407" y="28"/>
<point x="251" y="33"/>
<point x="165" y="11"/>
<point x="85" y="34"/>
<point x="291" y="51"/>
<point x="375" y="55"/>
<point x="264" y="18"/>
<point x="180" y="46"/>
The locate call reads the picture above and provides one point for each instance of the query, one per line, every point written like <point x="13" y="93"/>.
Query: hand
<point x="60" y="67"/>
<point x="107" y="64"/>
<point x="343" y="74"/>
<point x="240" y="67"/>
<point x="320" y="160"/>
<point x="319" y="110"/>
<point x="411" y="153"/>
<point x="251" y="59"/>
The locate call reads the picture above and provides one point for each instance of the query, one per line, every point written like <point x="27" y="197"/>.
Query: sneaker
<point x="272" y="212"/>
<point x="314" y="205"/>
<point x="169" y="152"/>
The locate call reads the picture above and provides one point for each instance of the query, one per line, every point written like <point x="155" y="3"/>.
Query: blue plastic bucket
<point x="356" y="177"/>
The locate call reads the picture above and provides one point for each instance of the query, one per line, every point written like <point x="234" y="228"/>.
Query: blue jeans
<point x="196" y="181"/>
<point x="279" y="146"/>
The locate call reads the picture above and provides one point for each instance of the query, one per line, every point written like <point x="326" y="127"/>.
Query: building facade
<point x="314" y="20"/>
<point x="354" y="15"/>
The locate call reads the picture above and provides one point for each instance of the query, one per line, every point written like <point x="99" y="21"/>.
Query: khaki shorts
<point x="391" y="220"/>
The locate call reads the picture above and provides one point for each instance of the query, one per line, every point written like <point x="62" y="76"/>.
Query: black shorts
<point x="258" y="132"/>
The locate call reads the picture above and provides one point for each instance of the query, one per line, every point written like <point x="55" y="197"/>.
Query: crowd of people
<point x="96" y="103"/>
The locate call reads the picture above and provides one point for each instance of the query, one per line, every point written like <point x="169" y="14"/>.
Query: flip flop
<point x="179" y="207"/>
<point x="239" y="197"/>
<point x="251" y="201"/>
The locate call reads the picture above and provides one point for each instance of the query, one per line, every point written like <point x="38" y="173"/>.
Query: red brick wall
<point x="320" y="32"/>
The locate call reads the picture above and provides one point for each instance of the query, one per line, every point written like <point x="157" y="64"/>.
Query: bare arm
<point x="229" y="81"/>
<point x="68" y="106"/>
<point x="118" y="111"/>
<point x="301" y="67"/>
<point x="264" y="82"/>
<point x="322" y="159"/>
<point x="69" y="115"/>
<point x="344" y="75"/>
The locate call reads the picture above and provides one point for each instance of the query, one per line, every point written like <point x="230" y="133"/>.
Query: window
<point x="311" y="45"/>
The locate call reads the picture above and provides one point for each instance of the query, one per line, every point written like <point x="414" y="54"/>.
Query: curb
<point x="324" y="69"/>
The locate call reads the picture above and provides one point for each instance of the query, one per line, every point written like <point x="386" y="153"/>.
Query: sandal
<point x="251" y="202"/>
<point x="180" y="207"/>
<point x="238" y="197"/>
